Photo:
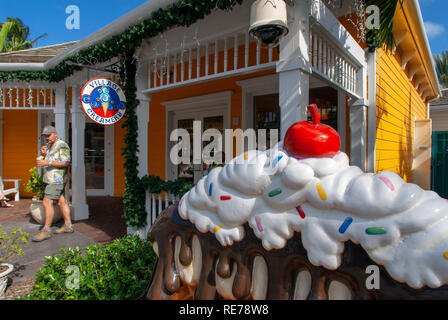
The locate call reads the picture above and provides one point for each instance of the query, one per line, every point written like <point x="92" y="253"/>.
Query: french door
<point x="209" y="119"/>
<point x="99" y="157"/>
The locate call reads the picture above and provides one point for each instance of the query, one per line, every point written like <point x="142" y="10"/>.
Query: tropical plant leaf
<point x="442" y="68"/>
<point x="385" y="35"/>
<point x="4" y="32"/>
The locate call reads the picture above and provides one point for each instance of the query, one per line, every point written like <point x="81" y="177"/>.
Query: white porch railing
<point x="334" y="54"/>
<point x="27" y="97"/>
<point x="156" y="203"/>
<point x="332" y="64"/>
<point x="212" y="58"/>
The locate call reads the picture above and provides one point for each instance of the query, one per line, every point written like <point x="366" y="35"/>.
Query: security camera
<point x="268" y="20"/>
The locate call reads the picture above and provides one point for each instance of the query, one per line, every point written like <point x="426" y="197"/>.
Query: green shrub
<point x="35" y="184"/>
<point x="117" y="271"/>
<point x="11" y="243"/>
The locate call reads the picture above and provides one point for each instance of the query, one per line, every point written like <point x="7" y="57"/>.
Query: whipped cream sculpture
<point x="278" y="192"/>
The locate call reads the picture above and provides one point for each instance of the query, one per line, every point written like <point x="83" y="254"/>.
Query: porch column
<point x="371" y="152"/>
<point x="358" y="121"/>
<point x="79" y="201"/>
<point x="142" y="139"/>
<point x="59" y="113"/>
<point x="358" y="134"/>
<point x="294" y="67"/>
<point x="1" y="143"/>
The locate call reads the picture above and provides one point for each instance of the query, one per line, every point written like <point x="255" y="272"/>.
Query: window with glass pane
<point x="266" y="114"/>
<point x="94" y="156"/>
<point x="326" y="99"/>
<point x="217" y="123"/>
<point x="185" y="171"/>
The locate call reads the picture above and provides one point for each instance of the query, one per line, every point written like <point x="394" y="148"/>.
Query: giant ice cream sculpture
<point x="303" y="194"/>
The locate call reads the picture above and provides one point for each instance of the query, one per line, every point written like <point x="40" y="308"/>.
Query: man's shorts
<point x="54" y="191"/>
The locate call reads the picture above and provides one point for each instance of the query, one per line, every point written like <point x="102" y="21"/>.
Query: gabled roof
<point x="443" y="99"/>
<point x="34" y="55"/>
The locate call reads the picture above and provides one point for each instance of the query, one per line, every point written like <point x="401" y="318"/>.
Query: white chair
<point x="11" y="190"/>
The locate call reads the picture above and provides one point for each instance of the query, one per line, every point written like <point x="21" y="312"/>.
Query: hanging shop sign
<point x="103" y="101"/>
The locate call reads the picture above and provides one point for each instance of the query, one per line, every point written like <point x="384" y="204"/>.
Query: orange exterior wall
<point x="119" y="134"/>
<point x="398" y="104"/>
<point x="20" y="143"/>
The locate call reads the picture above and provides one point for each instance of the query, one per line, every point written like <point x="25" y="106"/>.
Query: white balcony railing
<point x="332" y="64"/>
<point x="216" y="57"/>
<point x="27" y="97"/>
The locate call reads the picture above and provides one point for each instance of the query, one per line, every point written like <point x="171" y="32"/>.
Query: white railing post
<point x="206" y="58"/>
<point x="198" y="62"/>
<point x="235" y="52"/>
<point x="226" y="55"/>
<point x="175" y="69"/>
<point x="215" y="70"/>
<point x="154" y="210"/>
<point x="246" y="51"/>
<point x="189" y="64"/>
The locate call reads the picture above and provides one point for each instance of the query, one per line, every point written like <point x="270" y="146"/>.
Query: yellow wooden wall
<point x="398" y="104"/>
<point x="20" y="139"/>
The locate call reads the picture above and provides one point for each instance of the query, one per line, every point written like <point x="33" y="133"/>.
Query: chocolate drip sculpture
<point x="194" y="265"/>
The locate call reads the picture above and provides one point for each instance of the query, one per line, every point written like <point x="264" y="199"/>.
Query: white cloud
<point x="433" y="30"/>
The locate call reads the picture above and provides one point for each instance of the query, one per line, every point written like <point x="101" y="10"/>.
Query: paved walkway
<point x="105" y="223"/>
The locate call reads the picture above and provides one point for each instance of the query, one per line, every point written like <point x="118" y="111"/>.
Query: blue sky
<point x="49" y="16"/>
<point x="434" y="14"/>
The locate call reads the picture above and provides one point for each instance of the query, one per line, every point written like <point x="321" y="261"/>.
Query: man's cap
<point x="48" y="130"/>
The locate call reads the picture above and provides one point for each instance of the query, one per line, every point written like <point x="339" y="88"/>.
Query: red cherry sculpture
<point x="312" y="139"/>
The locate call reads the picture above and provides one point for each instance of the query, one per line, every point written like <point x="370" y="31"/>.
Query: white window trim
<point x="255" y="87"/>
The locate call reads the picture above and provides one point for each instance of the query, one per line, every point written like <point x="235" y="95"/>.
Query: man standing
<point x="56" y="162"/>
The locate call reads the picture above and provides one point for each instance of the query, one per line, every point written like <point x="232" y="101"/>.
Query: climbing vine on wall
<point x="181" y="13"/>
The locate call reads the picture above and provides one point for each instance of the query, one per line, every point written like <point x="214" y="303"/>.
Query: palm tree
<point x="14" y="35"/>
<point x="384" y="36"/>
<point x="442" y="68"/>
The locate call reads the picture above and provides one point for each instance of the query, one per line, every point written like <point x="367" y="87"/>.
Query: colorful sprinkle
<point x="376" y="231"/>
<point x="388" y="183"/>
<point x="245" y="155"/>
<point x="321" y="192"/>
<point x="259" y="226"/>
<point x="210" y="189"/>
<point x="347" y="222"/>
<point x="275" y="192"/>
<point x="277" y="160"/>
<point x="301" y="212"/>
<point x="217" y="228"/>
<point x="226" y="197"/>
<point x="445" y="255"/>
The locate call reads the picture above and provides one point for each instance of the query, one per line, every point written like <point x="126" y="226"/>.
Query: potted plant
<point x="36" y="186"/>
<point x="10" y="246"/>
